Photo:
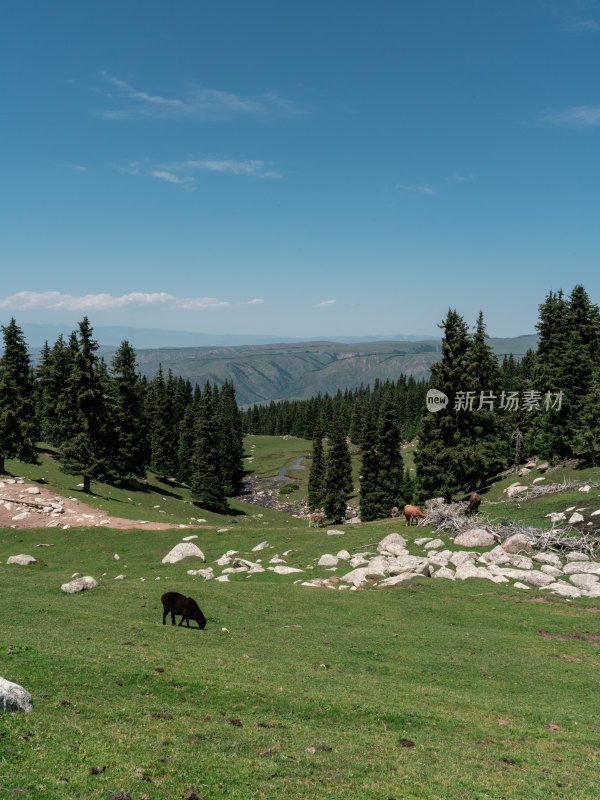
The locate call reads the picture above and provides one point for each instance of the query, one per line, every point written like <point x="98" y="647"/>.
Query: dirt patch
<point x="24" y="505"/>
<point x="577" y="636"/>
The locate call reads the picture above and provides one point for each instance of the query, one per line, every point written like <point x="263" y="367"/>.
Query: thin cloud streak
<point x="580" y="25"/>
<point x="412" y="188"/>
<point x="325" y="303"/>
<point x="57" y="301"/>
<point x="574" y="117"/>
<point x="131" y="103"/>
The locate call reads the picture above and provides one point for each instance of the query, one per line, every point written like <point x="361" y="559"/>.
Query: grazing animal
<point x="395" y="512"/>
<point x="315" y="520"/>
<point x="175" y="603"/>
<point x="413" y="512"/>
<point x="474" y="503"/>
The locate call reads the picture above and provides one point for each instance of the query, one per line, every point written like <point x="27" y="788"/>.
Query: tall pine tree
<point x="17" y="418"/>
<point x="338" y="474"/>
<point x="316" y="476"/>
<point x="84" y="417"/>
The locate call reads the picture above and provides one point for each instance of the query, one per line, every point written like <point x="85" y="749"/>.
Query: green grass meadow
<point x="434" y="689"/>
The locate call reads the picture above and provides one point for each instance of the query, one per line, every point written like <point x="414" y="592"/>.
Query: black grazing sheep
<point x="176" y="603"/>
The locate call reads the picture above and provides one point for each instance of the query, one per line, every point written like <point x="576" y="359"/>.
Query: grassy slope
<point x="460" y="669"/>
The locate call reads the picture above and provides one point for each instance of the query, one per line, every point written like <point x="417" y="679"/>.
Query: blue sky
<point x="298" y="168"/>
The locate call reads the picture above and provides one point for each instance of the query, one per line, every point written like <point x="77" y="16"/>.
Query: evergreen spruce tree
<point x="206" y="481"/>
<point x="441" y="459"/>
<point x="316" y="476"/>
<point x="163" y="443"/>
<point x="82" y="410"/>
<point x="391" y="468"/>
<point x="132" y="452"/>
<point x="588" y="437"/>
<point x="17" y="417"/>
<point x="371" y="500"/>
<point x="487" y="441"/>
<point x="338" y="473"/>
<point x="231" y="440"/>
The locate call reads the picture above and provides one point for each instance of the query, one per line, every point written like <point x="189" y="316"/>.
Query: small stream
<point x="252" y="494"/>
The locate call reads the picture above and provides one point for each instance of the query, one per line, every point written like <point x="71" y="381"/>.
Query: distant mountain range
<point x="112" y="336"/>
<point x="280" y="368"/>
<point x="262" y="373"/>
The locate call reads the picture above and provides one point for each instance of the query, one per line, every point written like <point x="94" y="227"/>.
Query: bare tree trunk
<point x="2" y="468"/>
<point x="86" y="484"/>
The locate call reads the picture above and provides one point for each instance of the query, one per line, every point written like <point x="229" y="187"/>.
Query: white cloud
<point x="412" y="188"/>
<point x="574" y="117"/>
<point x="459" y="178"/>
<point x="56" y="301"/>
<point x="227" y="165"/>
<point x="257" y="301"/>
<point x="130" y="103"/>
<point x="325" y="303"/>
<point x="164" y="175"/>
<point x="178" y="173"/>
<point x="580" y="25"/>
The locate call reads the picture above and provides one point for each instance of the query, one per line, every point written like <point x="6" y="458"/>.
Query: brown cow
<point x="474" y="503"/>
<point x="315" y="520"/>
<point x="413" y="512"/>
<point x="395" y="512"/>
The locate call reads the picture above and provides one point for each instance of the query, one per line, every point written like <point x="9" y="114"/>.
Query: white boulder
<point x="476" y="537"/>
<point x="327" y="560"/>
<point x="181" y="551"/>
<point x="22" y="559"/>
<point x="14" y="697"/>
<point x="79" y="585"/>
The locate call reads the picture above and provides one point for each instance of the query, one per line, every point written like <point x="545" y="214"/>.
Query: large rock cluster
<point x="574" y="575"/>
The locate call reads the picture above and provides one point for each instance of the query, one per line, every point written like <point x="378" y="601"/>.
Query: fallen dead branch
<point x="450" y="519"/>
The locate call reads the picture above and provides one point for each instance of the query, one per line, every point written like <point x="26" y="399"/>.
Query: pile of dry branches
<point x="538" y="490"/>
<point x="451" y="519"/>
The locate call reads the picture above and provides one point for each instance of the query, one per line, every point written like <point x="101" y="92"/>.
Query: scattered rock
<point x="538" y="480"/>
<point x="189" y="538"/>
<point x="79" y="585"/>
<point x="564" y="589"/>
<point x="548" y="558"/>
<point x="328" y="560"/>
<point x="575" y="517"/>
<point x="282" y="570"/>
<point x="583" y="581"/>
<point x="120" y="577"/>
<point x="515" y="489"/>
<point x="444" y="572"/>
<point x="207" y="574"/>
<point x="585" y="488"/>
<point x="181" y="551"/>
<point x="32" y="490"/>
<point x="14" y="697"/>
<point x="343" y="555"/>
<point x="575" y="556"/>
<point x="519" y="585"/>
<point x="587" y="567"/>
<point x="393" y="544"/>
<point x="469" y="571"/>
<point x="476" y="537"/>
<point x="516" y="543"/>
<point x="22" y="559"/>
<point x="335" y="533"/>
<point x="260" y="546"/>
<point x="434" y="543"/>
